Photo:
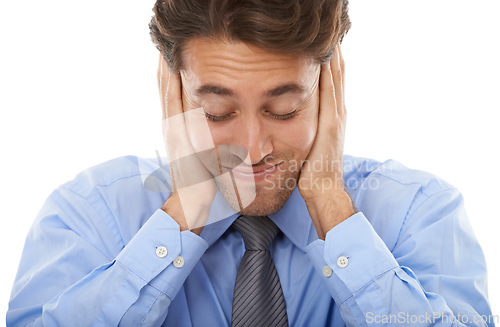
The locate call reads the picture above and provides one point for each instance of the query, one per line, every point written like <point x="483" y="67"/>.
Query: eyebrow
<point x="213" y="89"/>
<point x="222" y="91"/>
<point x="283" y="89"/>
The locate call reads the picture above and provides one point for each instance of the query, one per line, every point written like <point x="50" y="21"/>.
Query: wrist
<point x="173" y="208"/>
<point x="330" y="209"/>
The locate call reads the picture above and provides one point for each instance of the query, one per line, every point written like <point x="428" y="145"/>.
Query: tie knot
<point x="258" y="232"/>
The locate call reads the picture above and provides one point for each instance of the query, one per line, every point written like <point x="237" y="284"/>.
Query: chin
<point x="260" y="210"/>
<point x="266" y="202"/>
<point x="258" y="199"/>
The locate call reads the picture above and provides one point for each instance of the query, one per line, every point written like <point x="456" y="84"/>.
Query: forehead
<point x="236" y="64"/>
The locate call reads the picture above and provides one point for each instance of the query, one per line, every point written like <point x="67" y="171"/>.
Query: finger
<point x="341" y="59"/>
<point x="158" y="73"/>
<point x="174" y="97"/>
<point x="174" y="126"/>
<point x="342" y="67"/>
<point x="338" y="81"/>
<point x="162" y="77"/>
<point x="327" y="102"/>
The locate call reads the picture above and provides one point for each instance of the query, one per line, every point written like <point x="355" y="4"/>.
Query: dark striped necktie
<point x="258" y="299"/>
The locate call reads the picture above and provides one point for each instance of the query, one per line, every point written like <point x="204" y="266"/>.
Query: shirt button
<point x="327" y="271"/>
<point x="342" y="262"/>
<point x="161" y="252"/>
<point x="179" y="262"/>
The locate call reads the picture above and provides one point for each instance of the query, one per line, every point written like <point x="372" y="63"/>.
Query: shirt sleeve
<point x="434" y="276"/>
<point x="70" y="274"/>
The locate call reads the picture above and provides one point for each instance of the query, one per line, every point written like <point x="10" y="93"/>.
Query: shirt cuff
<point x="352" y="251"/>
<point x="172" y="278"/>
<point x="157" y="244"/>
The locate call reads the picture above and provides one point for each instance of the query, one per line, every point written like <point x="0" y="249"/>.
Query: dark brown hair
<point x="303" y="27"/>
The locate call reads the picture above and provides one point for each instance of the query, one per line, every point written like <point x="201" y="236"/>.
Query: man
<point x="259" y="218"/>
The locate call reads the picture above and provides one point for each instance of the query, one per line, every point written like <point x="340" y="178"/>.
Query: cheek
<point x="299" y="134"/>
<point x="304" y="133"/>
<point x="222" y="134"/>
<point x="198" y="130"/>
<point x="302" y="137"/>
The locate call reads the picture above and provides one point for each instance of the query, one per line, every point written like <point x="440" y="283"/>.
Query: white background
<point x="78" y="87"/>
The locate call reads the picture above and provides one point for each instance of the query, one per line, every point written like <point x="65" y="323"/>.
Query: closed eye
<point x="220" y="118"/>
<point x="285" y="116"/>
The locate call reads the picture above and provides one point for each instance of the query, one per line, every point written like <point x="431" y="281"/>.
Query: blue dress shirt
<point x="102" y="253"/>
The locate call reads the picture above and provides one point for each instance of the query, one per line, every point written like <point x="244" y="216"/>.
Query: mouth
<point x="256" y="174"/>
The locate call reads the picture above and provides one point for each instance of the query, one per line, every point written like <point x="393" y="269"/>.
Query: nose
<point x="256" y="139"/>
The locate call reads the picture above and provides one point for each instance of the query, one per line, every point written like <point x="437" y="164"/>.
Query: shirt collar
<point x="292" y="219"/>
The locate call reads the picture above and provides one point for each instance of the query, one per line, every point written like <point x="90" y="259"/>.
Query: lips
<point x="254" y="174"/>
<point x="254" y="170"/>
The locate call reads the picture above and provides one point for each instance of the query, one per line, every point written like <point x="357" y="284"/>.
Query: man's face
<point x="264" y="102"/>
